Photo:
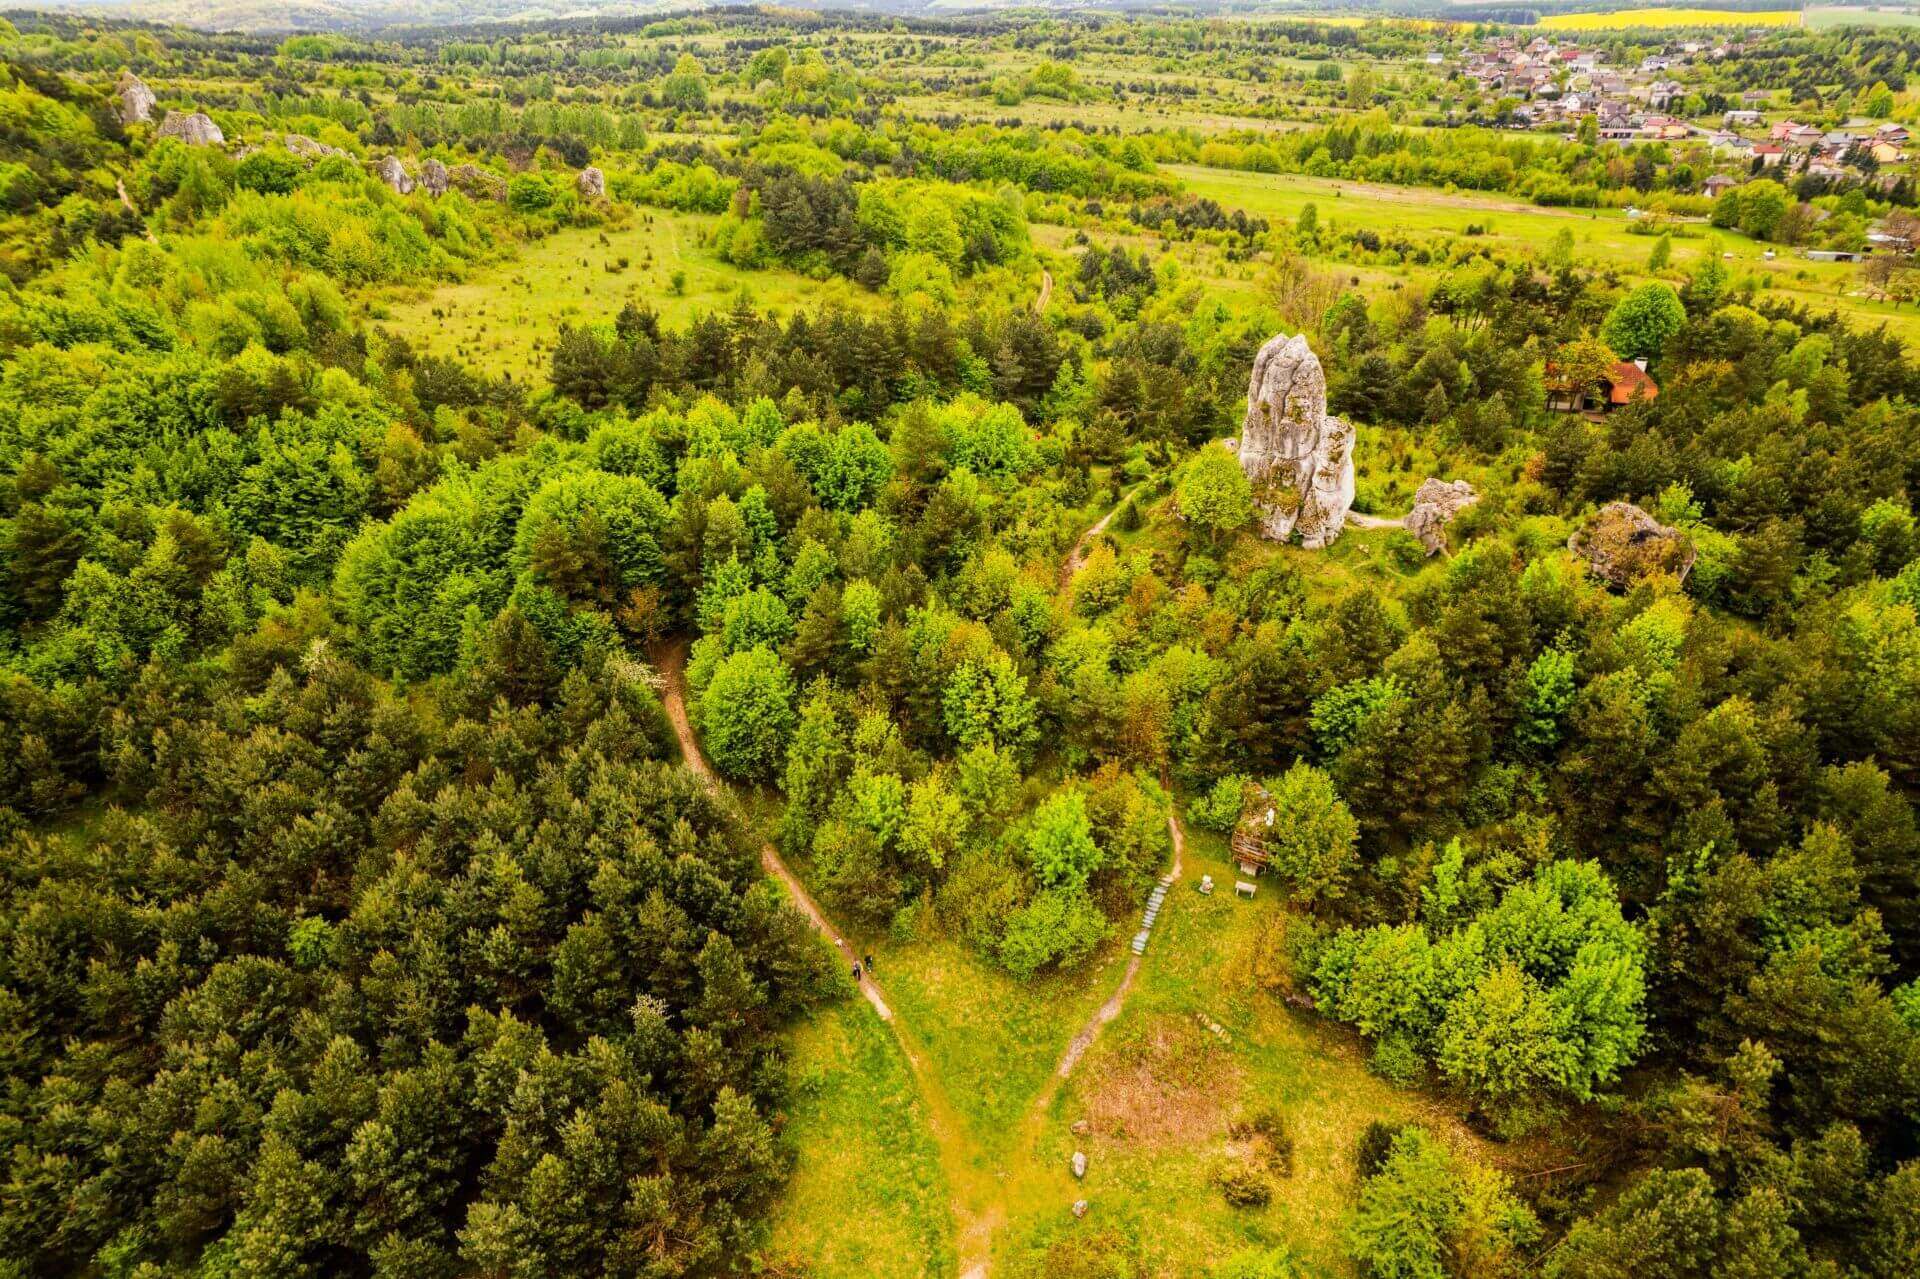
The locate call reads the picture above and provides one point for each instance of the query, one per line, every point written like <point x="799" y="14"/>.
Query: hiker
<point x="869" y="965"/>
<point x="856" y="970"/>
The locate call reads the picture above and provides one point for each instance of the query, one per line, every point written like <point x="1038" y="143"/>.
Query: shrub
<point x="1059" y="928"/>
<point x="1219" y="809"/>
<point x="1376" y="1143"/>
<point x="1242" y="1184"/>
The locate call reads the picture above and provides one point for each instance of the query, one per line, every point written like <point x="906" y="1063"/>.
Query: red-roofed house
<point x="1627" y="382"/>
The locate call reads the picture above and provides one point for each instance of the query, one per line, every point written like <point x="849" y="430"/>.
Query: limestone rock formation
<point x="195" y="128"/>
<point x="477" y="182"/>
<point x="1623" y="544"/>
<point x="591" y="183"/>
<point x="1435" y="504"/>
<point x="1079" y="1163"/>
<point x="394" y="174"/>
<point x="308" y="148"/>
<point x="135" y="100"/>
<point x="433" y="177"/>
<point x="1299" y="459"/>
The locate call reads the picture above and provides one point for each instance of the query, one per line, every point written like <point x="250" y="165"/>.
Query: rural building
<point x="1628" y="381"/>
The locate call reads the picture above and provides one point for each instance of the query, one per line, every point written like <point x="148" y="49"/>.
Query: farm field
<point x="1627" y="19"/>
<point x="1825" y="17"/>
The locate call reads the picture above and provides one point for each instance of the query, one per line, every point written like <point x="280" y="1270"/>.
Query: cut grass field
<point x="1625" y="19"/>
<point x="867" y="1197"/>
<point x="504" y="316"/>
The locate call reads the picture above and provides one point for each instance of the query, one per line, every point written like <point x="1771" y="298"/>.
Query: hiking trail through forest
<point x="978" y="1195"/>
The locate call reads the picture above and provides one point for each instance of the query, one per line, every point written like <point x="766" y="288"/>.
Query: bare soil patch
<point x="1168" y="1082"/>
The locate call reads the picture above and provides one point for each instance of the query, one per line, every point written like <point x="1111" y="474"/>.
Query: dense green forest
<point x="357" y="914"/>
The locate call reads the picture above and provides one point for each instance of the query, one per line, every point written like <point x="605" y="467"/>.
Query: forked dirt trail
<point x="979" y="1193"/>
<point x="978" y="1209"/>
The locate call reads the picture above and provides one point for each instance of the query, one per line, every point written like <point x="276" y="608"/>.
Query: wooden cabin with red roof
<point x="1626" y="382"/>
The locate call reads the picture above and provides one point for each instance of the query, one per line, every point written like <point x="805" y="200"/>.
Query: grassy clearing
<point x="1159" y="1092"/>
<point x="1826" y="16"/>
<point x="1621" y="19"/>
<point x="867" y="1197"/>
<point x="991" y="1039"/>
<point x="504" y="316"/>
<point x="1600" y="236"/>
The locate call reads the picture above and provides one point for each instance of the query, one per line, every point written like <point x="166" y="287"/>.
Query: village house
<point x="1626" y="382"/>
<point x="1718" y="183"/>
<point x="1742" y="119"/>
<point x="1662" y="93"/>
<point x="1769" y="154"/>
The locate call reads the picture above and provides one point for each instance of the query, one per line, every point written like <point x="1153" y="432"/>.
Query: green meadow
<point x="503" y="316"/>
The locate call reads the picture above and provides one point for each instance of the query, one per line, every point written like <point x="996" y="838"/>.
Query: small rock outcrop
<point x="1299" y="459"/>
<point x="1435" y="504"/>
<point x="591" y="183"/>
<point x="1623" y="544"/>
<point x="1079" y="1164"/>
<point x="394" y="174"/>
<point x="195" y="128"/>
<point x="477" y="182"/>
<point x="308" y="148"/>
<point x="1080" y="1207"/>
<point x="433" y="177"/>
<point x="133" y="99"/>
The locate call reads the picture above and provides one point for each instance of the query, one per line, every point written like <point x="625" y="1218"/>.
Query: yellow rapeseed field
<point x="1669" y="18"/>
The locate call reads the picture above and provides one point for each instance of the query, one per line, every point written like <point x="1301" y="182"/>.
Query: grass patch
<point x="1513" y="229"/>
<point x="1267" y="1072"/>
<point x="1824" y="17"/>
<point x="991" y="1039"/>
<point x="504" y="317"/>
<point x="867" y="1197"/>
